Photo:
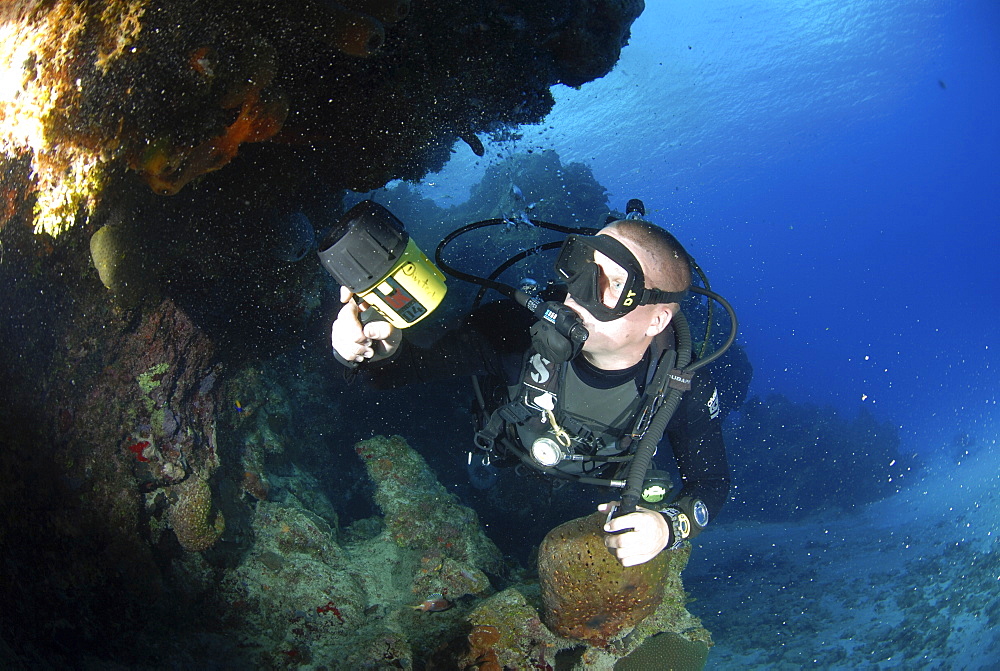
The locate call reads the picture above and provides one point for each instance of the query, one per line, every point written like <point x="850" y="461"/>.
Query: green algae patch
<point x="150" y="380"/>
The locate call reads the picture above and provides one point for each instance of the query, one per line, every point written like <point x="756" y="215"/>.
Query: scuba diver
<point x="583" y="384"/>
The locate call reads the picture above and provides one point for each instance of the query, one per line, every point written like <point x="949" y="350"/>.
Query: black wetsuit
<point x="493" y="342"/>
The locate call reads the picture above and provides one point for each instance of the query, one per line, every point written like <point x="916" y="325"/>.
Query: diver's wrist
<point x="679" y="524"/>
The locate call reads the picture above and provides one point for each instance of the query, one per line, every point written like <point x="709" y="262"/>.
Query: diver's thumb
<point x="378" y="330"/>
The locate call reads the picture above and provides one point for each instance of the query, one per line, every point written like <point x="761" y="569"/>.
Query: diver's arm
<point x="695" y="435"/>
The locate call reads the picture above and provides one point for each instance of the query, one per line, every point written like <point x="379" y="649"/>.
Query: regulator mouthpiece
<point x="369" y="252"/>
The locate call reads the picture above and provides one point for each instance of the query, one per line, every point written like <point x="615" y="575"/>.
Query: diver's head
<point x="669" y="266"/>
<point x="626" y="284"/>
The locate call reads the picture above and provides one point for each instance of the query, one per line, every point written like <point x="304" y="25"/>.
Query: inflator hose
<point x="657" y="426"/>
<point x="492" y="283"/>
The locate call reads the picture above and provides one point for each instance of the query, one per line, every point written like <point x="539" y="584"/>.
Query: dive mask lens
<point x="601" y="275"/>
<point x="575" y="256"/>
<point x="612" y="278"/>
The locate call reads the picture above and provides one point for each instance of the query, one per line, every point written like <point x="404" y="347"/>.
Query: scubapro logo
<point x="541" y="374"/>
<point x="713" y="404"/>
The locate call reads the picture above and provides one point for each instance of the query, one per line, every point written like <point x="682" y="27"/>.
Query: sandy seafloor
<point x="910" y="582"/>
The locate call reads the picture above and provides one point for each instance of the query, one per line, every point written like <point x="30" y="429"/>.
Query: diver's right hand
<point x="357" y="342"/>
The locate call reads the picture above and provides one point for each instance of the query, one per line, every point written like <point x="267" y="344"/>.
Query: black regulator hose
<point x="514" y="260"/>
<point x="566" y="321"/>
<point x="711" y="308"/>
<point x="658" y="425"/>
<point x="733" y="327"/>
<point x="654" y="432"/>
<point x="490" y="283"/>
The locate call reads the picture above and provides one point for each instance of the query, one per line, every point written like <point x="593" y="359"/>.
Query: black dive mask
<point x="610" y="285"/>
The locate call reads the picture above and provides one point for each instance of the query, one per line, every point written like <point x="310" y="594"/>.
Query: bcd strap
<point x="539" y="377"/>
<point x="680" y="379"/>
<point x="584" y="436"/>
<point x="656" y="390"/>
<point x="514" y="412"/>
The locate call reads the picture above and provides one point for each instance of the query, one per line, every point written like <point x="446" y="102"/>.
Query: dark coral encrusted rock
<point x="358" y="92"/>
<point x="420" y="514"/>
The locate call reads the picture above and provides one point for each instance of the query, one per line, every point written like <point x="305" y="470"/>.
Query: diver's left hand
<point x="649" y="534"/>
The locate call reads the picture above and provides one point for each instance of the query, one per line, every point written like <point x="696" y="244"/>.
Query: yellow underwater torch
<point x="369" y="252"/>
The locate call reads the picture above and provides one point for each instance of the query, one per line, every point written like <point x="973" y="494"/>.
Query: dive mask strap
<point x="650" y="296"/>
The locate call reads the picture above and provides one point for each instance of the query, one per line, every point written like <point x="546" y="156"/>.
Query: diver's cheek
<point x="587" y="318"/>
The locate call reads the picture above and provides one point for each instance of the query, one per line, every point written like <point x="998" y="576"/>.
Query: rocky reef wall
<point x="157" y="161"/>
<point x="792" y="460"/>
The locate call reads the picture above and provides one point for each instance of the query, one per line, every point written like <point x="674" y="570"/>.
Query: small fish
<point x="433" y="604"/>
<point x="238" y="407"/>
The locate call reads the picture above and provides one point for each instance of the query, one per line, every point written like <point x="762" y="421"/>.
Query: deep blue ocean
<point x="833" y="166"/>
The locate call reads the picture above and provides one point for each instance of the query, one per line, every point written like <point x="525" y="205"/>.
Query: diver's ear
<point x="661" y="319"/>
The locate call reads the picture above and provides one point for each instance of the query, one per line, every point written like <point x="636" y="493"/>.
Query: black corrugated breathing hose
<point x="654" y="432"/>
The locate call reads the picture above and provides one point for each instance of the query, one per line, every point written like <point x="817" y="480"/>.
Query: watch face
<point x="700" y="513"/>
<point x="683" y="525"/>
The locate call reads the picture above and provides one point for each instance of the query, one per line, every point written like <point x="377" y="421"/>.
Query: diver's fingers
<point x="347" y="318"/>
<point x="347" y="335"/>
<point x="345" y="294"/>
<point x="624" y="523"/>
<point x="618" y="540"/>
<point x="378" y="330"/>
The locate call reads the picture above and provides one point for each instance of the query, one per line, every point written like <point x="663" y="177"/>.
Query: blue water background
<point x="833" y="167"/>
